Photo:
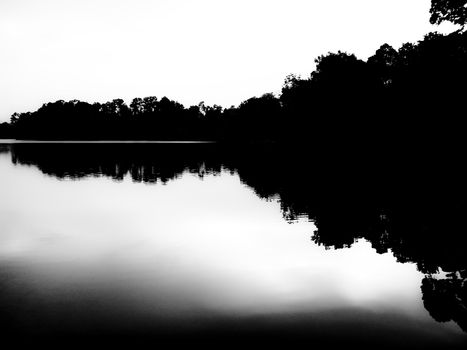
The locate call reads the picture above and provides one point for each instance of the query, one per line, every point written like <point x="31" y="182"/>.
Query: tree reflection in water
<point x="412" y="205"/>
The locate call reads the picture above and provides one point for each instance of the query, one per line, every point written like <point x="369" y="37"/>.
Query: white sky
<point x="205" y="50"/>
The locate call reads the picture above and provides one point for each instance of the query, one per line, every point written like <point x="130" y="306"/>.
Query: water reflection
<point x="193" y="254"/>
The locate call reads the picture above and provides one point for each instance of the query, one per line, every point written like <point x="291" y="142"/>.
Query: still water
<point x="112" y="247"/>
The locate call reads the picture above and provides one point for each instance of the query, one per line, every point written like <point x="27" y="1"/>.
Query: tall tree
<point x="454" y="11"/>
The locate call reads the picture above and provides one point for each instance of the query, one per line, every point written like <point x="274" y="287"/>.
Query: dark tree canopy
<point x="454" y="11"/>
<point x="400" y="98"/>
<point x="386" y="138"/>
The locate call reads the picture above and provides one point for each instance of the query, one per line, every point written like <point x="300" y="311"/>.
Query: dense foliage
<point x="454" y="11"/>
<point x="410" y="96"/>
<point x="417" y="90"/>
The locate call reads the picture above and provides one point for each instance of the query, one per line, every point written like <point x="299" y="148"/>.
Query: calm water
<point x="136" y="243"/>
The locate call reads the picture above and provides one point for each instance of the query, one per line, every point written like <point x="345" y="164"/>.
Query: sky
<point x="217" y="51"/>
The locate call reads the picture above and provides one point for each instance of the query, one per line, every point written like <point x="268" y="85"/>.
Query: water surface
<point x="152" y="242"/>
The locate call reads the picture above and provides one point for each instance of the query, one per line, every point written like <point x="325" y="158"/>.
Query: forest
<point x="413" y="95"/>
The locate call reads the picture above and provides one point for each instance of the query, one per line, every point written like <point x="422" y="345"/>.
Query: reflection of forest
<point x="413" y="208"/>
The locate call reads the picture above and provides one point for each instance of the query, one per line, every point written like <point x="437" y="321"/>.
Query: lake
<point x="193" y="242"/>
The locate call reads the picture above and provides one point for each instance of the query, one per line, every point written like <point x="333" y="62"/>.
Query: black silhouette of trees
<point x="446" y="299"/>
<point x="385" y="64"/>
<point x="259" y="117"/>
<point x="150" y="105"/>
<point x="414" y="94"/>
<point x="365" y="126"/>
<point x="137" y="107"/>
<point x="5" y="131"/>
<point x="454" y="11"/>
<point x="409" y="94"/>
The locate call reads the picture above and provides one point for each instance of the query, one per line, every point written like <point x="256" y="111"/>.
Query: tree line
<point x="411" y="95"/>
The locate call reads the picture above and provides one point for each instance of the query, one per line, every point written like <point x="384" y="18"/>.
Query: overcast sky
<point x="217" y="51"/>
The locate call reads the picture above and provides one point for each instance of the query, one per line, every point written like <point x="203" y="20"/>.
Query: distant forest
<point x="416" y="94"/>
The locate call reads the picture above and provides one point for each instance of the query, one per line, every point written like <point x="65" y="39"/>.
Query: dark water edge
<point x="6" y="141"/>
<point x="413" y="205"/>
<point x="245" y="335"/>
<point x="341" y="328"/>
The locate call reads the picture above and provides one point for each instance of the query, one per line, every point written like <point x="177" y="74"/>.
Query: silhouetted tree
<point x="396" y="101"/>
<point x="454" y="11"/>
<point x="446" y="299"/>
<point x="137" y="106"/>
<point x="5" y="131"/>
<point x="150" y="105"/>
<point x="385" y="63"/>
<point x="259" y="118"/>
